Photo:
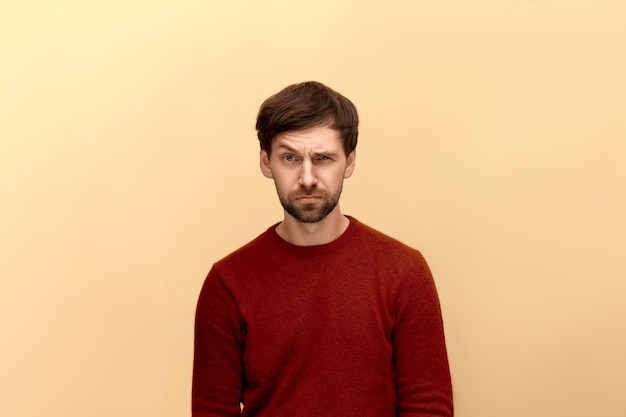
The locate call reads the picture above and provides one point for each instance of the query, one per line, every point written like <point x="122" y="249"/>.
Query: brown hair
<point x="304" y="105"/>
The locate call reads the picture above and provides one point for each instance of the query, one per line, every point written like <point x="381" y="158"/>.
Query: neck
<point x="312" y="234"/>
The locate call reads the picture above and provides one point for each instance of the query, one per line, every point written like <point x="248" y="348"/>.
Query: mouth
<point x="308" y="198"/>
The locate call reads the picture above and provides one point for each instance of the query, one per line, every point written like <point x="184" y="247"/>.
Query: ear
<point x="264" y="161"/>
<point x="350" y="161"/>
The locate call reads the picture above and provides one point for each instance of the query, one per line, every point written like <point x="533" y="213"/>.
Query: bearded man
<point x="320" y="315"/>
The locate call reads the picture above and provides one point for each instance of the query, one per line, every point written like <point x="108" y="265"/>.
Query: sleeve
<point x="218" y="352"/>
<point x="423" y="383"/>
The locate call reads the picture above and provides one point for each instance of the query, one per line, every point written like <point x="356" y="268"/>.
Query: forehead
<point x="314" y="138"/>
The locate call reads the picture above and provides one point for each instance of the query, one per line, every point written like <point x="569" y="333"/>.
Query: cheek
<point x="330" y="182"/>
<point x="282" y="179"/>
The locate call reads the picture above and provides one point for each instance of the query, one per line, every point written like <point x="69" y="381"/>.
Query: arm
<point x="423" y="382"/>
<point x="218" y="352"/>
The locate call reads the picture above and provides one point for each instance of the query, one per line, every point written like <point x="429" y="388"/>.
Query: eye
<point x="288" y="158"/>
<point x="324" y="158"/>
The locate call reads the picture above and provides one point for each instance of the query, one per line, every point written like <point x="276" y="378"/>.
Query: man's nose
<point x="307" y="174"/>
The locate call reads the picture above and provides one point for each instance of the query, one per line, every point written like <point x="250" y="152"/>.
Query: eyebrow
<point x="332" y="155"/>
<point x="286" y="147"/>
<point x="314" y="154"/>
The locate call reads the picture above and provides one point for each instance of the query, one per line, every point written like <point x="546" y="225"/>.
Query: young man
<point x="321" y="315"/>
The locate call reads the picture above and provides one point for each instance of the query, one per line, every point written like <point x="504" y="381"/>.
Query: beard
<point x="310" y="212"/>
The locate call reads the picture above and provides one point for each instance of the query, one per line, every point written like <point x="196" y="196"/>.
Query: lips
<point x="308" y="198"/>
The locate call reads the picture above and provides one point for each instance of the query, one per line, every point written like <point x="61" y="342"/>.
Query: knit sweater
<point x="348" y="328"/>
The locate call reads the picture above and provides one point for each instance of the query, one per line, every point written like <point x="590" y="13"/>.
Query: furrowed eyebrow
<point x="328" y="154"/>
<point x="284" y="146"/>
<point x="287" y="148"/>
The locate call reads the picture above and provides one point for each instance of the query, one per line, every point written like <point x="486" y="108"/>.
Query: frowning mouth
<point x="308" y="198"/>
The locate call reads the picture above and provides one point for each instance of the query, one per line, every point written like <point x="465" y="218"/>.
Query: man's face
<point x="308" y="168"/>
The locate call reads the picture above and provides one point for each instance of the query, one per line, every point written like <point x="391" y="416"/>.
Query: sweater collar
<point x="315" y="249"/>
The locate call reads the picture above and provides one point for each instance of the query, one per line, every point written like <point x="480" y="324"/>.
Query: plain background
<point x="493" y="139"/>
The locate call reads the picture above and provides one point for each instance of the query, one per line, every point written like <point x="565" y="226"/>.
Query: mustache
<point x="308" y="192"/>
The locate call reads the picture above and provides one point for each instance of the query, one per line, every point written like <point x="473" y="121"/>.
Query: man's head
<point x="308" y="136"/>
<point x="304" y="105"/>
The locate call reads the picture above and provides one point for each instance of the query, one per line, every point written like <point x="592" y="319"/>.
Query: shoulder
<point x="382" y="251"/>
<point x="373" y="239"/>
<point x="248" y="260"/>
<point x="399" y="264"/>
<point x="255" y="250"/>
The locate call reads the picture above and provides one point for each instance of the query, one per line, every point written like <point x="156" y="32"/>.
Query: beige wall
<point x="493" y="138"/>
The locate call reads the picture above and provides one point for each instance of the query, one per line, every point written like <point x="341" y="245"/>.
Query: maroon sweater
<point x="348" y="328"/>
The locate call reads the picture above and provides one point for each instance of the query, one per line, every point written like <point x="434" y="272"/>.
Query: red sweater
<point x="351" y="328"/>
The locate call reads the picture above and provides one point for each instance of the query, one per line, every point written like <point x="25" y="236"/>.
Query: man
<point x="321" y="315"/>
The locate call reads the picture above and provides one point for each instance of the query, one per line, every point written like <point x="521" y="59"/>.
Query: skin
<point x="308" y="168"/>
